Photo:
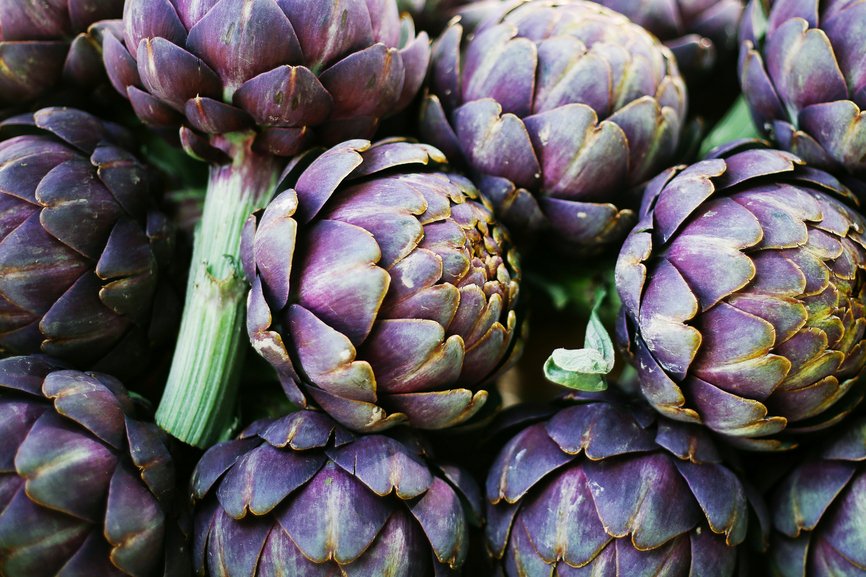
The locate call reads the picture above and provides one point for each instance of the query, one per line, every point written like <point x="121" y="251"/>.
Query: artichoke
<point x="698" y="33"/>
<point x="801" y="69"/>
<point x="743" y="291"/>
<point x="81" y="247"/>
<point x="298" y="72"/>
<point x="558" y="108"/>
<point x="382" y="288"/>
<point x="817" y="511"/>
<point x="44" y="45"/>
<point x="85" y="487"/>
<point x="603" y="488"/>
<point x="302" y="496"/>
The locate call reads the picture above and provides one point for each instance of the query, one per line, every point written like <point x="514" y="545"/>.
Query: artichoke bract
<point x="817" y="511"/>
<point x="302" y="496"/>
<point x="382" y="288"/>
<point x="44" y="45"/>
<point x="698" y="33"/>
<point x="82" y="248"/>
<point x="801" y="70"/>
<point x="604" y="488"/>
<point x="743" y="295"/>
<point x="85" y="487"/>
<point x="298" y="72"/>
<point x="558" y="108"/>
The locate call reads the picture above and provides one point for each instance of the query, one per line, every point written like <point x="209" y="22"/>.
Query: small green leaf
<point x="584" y="369"/>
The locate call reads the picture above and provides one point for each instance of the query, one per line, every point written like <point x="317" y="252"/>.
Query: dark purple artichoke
<point x="558" y="108"/>
<point x="803" y="74"/>
<point x="45" y="44"/>
<point x="818" y="511"/>
<point x="699" y="33"/>
<point x="302" y="496"/>
<point x="299" y="72"/>
<point x="85" y="487"/>
<point x="382" y="288"/>
<point x="601" y="488"/>
<point x="81" y="248"/>
<point x="743" y="289"/>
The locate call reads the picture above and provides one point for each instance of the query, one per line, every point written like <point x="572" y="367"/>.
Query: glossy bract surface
<point x="82" y="251"/>
<point x="602" y="488"/>
<point x="46" y="44"/>
<point x="302" y="496"/>
<point x="297" y="72"/>
<point x="743" y="292"/>
<point x="817" y="511"/>
<point x="558" y="108"/>
<point x="699" y="33"/>
<point x="803" y="73"/>
<point x="84" y="486"/>
<point x="382" y="288"/>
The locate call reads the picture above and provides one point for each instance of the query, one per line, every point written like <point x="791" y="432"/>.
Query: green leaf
<point x="735" y="125"/>
<point x="584" y="369"/>
<point x="581" y="369"/>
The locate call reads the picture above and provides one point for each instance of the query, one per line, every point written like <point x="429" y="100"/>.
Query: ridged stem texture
<point x="198" y="402"/>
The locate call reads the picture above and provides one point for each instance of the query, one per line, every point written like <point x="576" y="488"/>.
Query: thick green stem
<point x="735" y="125"/>
<point x="198" y="404"/>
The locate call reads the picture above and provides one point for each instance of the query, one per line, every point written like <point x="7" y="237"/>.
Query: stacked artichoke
<point x="353" y="359"/>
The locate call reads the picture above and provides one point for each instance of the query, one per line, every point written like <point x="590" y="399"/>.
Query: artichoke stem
<point x="198" y="404"/>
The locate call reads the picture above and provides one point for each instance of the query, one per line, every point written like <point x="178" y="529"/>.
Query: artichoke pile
<point x="390" y="232"/>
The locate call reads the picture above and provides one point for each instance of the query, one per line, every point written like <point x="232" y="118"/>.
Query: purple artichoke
<point x="302" y="496"/>
<point x="602" y="488"/>
<point x="382" y="288"/>
<point x="802" y="72"/>
<point x="84" y="487"/>
<point x="558" y="108"/>
<point x="44" y="44"/>
<point x="298" y="72"/>
<point x="699" y="33"/>
<point x="81" y="248"/>
<point x="817" y="512"/>
<point x="743" y="291"/>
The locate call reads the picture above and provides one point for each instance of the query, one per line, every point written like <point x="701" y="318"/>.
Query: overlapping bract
<point x="302" y="496"/>
<point x="81" y="247"/>
<point x="743" y="291"/>
<point x="817" y="512"/>
<point x="84" y="486"/>
<point x="602" y="488"/>
<point x="698" y="33"/>
<point x="382" y="288"/>
<point x="299" y="72"/>
<point x="803" y="74"/>
<point x="46" y="44"/>
<point x="558" y="108"/>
